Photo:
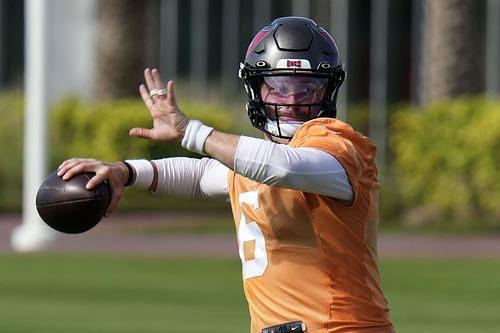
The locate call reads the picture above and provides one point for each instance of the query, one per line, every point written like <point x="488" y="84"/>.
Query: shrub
<point x="11" y="140"/>
<point x="358" y="116"/>
<point x="446" y="158"/>
<point x="101" y="130"/>
<point x="97" y="130"/>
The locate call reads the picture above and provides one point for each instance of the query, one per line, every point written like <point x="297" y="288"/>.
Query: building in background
<point x="70" y="48"/>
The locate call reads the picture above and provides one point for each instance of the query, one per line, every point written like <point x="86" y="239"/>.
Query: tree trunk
<point x="451" y="55"/>
<point x="121" y="47"/>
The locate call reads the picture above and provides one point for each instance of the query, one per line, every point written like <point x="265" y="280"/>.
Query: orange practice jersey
<point x="306" y="256"/>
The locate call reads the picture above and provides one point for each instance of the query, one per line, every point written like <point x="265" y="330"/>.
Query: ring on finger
<point x="159" y="92"/>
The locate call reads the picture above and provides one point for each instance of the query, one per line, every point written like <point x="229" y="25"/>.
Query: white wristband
<point x="144" y="173"/>
<point x="195" y="136"/>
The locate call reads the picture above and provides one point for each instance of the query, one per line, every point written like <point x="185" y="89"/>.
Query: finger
<point x="171" y="94"/>
<point x="98" y="178"/>
<point x="107" y="172"/>
<point x="143" y="91"/>
<point x="73" y="161"/>
<point x="116" y="196"/>
<point x="148" y="77"/>
<point x="141" y="133"/>
<point x="76" y="169"/>
<point x="64" y="166"/>
<point x="158" y="84"/>
<point x="68" y="166"/>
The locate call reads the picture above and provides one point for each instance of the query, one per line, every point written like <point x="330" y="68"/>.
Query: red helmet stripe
<point x="260" y="36"/>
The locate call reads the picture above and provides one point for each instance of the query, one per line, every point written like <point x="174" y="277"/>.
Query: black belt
<point x="290" y="327"/>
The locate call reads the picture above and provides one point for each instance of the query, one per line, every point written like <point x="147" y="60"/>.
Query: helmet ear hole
<point x="325" y="65"/>
<point x="261" y="64"/>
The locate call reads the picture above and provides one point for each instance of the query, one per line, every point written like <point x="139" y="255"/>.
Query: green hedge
<point x="99" y="131"/>
<point x="447" y="160"/>
<point x="11" y="143"/>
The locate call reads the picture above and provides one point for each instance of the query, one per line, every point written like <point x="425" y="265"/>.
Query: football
<point x="68" y="207"/>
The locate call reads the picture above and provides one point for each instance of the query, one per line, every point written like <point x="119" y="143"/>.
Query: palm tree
<point x="451" y="56"/>
<point x="121" y="44"/>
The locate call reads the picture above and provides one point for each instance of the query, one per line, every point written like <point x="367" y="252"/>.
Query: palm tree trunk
<point x="451" y="49"/>
<point x="120" y="47"/>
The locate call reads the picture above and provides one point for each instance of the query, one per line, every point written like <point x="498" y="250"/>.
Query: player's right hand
<point x="116" y="174"/>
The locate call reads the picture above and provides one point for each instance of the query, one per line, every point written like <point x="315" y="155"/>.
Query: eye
<point x="279" y="90"/>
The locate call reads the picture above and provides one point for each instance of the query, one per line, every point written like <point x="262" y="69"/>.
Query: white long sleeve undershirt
<point x="303" y="169"/>
<point x="204" y="178"/>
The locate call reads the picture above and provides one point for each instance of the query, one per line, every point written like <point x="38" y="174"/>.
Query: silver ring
<point x="159" y="92"/>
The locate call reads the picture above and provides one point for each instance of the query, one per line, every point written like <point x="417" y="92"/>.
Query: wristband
<point x="144" y="173"/>
<point x="195" y="136"/>
<point x="130" y="178"/>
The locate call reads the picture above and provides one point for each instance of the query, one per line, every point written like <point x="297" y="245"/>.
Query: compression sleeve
<point x="194" y="178"/>
<point x="305" y="169"/>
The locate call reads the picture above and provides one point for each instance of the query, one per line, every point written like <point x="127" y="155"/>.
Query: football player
<point x="304" y="198"/>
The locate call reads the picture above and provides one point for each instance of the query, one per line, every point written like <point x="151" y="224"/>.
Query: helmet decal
<point x="293" y="63"/>
<point x="260" y="36"/>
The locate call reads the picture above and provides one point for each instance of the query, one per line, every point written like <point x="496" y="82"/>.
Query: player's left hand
<point x="169" y="123"/>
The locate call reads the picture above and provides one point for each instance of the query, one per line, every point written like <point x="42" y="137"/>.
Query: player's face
<point x="289" y="96"/>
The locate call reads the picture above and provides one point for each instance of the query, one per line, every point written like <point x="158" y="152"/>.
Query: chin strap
<point x="283" y="129"/>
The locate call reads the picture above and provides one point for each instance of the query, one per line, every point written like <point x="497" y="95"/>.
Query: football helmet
<point x="292" y="73"/>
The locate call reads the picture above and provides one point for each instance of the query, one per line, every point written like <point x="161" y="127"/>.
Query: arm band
<point x="144" y="173"/>
<point x="195" y="136"/>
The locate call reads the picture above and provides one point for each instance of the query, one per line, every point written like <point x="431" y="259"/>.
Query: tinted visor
<point x="293" y="89"/>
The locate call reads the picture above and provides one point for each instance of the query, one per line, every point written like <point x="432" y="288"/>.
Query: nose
<point x="291" y="110"/>
<point x="292" y="99"/>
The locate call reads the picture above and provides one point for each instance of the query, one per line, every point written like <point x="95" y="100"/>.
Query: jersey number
<point x="254" y="264"/>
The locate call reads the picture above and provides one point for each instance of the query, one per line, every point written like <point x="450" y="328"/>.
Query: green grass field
<point x="108" y="293"/>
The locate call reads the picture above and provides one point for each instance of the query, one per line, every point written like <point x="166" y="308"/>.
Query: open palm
<point x="169" y="123"/>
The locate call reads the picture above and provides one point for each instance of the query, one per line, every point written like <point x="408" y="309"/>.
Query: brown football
<point x="67" y="206"/>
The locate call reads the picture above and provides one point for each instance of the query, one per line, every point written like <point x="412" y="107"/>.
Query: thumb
<point x="115" y="199"/>
<point x="141" y="133"/>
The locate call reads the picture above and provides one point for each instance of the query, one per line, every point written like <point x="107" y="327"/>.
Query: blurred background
<point x="418" y="73"/>
<point x="423" y="81"/>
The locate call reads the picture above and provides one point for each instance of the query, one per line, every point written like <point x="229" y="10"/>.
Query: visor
<point x="299" y="89"/>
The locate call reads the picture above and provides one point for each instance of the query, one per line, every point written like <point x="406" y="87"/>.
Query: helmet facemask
<point x="278" y="104"/>
<point x="289" y="101"/>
